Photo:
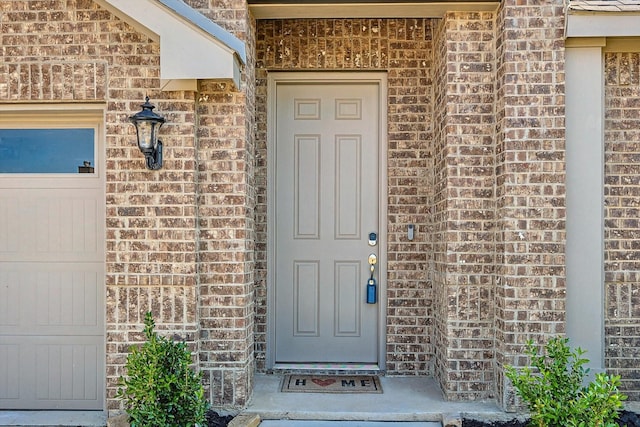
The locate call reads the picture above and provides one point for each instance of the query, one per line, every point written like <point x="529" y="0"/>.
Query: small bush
<point x="554" y="390"/>
<point x="161" y="389"/>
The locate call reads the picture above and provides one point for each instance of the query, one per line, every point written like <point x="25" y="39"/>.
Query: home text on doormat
<point x="331" y="384"/>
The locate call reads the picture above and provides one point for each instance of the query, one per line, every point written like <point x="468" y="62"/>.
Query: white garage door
<point x="51" y="268"/>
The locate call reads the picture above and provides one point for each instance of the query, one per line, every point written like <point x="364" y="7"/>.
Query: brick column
<point x="226" y="230"/>
<point x="225" y="251"/>
<point x="463" y="206"/>
<point x="530" y="182"/>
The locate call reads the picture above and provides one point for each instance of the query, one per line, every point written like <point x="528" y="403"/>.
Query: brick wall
<point x="530" y="176"/>
<point x="403" y="48"/>
<point x="174" y="235"/>
<point x="464" y="204"/>
<point x="151" y="238"/>
<point x="622" y="192"/>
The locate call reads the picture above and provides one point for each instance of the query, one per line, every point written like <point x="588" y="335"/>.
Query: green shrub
<point x="160" y="389"/>
<point x="554" y="390"/>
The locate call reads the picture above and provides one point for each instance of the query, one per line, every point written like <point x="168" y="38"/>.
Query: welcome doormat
<point x="331" y="384"/>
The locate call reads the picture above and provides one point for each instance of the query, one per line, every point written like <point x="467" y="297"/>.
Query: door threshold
<point x="340" y="367"/>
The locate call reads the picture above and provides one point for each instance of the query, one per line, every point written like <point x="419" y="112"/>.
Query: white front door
<point x="327" y="203"/>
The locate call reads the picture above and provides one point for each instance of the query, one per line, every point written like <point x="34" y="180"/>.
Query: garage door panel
<point x="9" y="299"/>
<point x="9" y="234"/>
<point x="50" y="299"/>
<point x="66" y="372"/>
<point x="50" y="372"/>
<point x="67" y="300"/>
<point x="9" y="371"/>
<point x="50" y="225"/>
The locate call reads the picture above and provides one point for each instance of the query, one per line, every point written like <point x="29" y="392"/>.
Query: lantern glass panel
<point x="145" y="134"/>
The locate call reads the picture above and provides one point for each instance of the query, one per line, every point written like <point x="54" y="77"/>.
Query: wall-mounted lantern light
<point x="147" y="125"/>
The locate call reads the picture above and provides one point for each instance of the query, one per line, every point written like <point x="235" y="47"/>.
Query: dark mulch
<point x="216" y="420"/>
<point x="628" y="419"/>
<point x="476" y="423"/>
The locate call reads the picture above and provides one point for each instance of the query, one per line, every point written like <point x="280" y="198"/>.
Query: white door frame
<point x="274" y="79"/>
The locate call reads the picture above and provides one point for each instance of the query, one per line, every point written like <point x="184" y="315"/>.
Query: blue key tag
<point x="371" y="291"/>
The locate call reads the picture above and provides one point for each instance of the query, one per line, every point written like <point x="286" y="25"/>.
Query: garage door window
<point x="57" y="151"/>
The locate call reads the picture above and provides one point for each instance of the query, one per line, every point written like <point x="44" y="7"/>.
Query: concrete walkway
<point x="53" y="418"/>
<point x="406" y="399"/>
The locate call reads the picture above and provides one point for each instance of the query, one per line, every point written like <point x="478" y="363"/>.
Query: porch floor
<point x="403" y="399"/>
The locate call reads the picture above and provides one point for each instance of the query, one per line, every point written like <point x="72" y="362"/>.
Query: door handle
<point x="371" y="283"/>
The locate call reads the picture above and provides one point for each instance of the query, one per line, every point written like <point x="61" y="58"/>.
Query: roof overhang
<point x="192" y="47"/>
<point x="613" y="18"/>
<point x="283" y="9"/>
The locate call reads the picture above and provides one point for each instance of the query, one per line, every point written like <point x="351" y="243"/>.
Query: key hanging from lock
<point x="371" y="283"/>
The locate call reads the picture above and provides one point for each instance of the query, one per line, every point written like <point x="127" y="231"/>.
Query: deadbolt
<point x="373" y="259"/>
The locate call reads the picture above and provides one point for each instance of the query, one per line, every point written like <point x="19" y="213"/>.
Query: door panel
<point x="306" y="297"/>
<point x="327" y="202"/>
<point x="348" y="297"/>
<point x="307" y="186"/>
<point x="348" y="186"/>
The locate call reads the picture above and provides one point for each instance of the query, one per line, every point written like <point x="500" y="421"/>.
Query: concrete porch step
<point x="404" y="400"/>
<point x="294" y="423"/>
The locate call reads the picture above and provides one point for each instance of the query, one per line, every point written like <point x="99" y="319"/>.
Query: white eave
<point x="192" y="47"/>
<point x="603" y="18"/>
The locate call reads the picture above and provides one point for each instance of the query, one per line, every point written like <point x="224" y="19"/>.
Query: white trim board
<point x="602" y="24"/>
<point x="369" y="10"/>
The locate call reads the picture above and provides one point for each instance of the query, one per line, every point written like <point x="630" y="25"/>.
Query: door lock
<point x="373" y="239"/>
<point x="373" y="259"/>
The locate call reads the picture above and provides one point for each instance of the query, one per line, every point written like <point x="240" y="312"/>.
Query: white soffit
<point x="368" y="10"/>
<point x="192" y="47"/>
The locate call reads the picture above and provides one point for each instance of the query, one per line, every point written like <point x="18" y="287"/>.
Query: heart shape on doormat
<point x="323" y="383"/>
<point x="305" y="383"/>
